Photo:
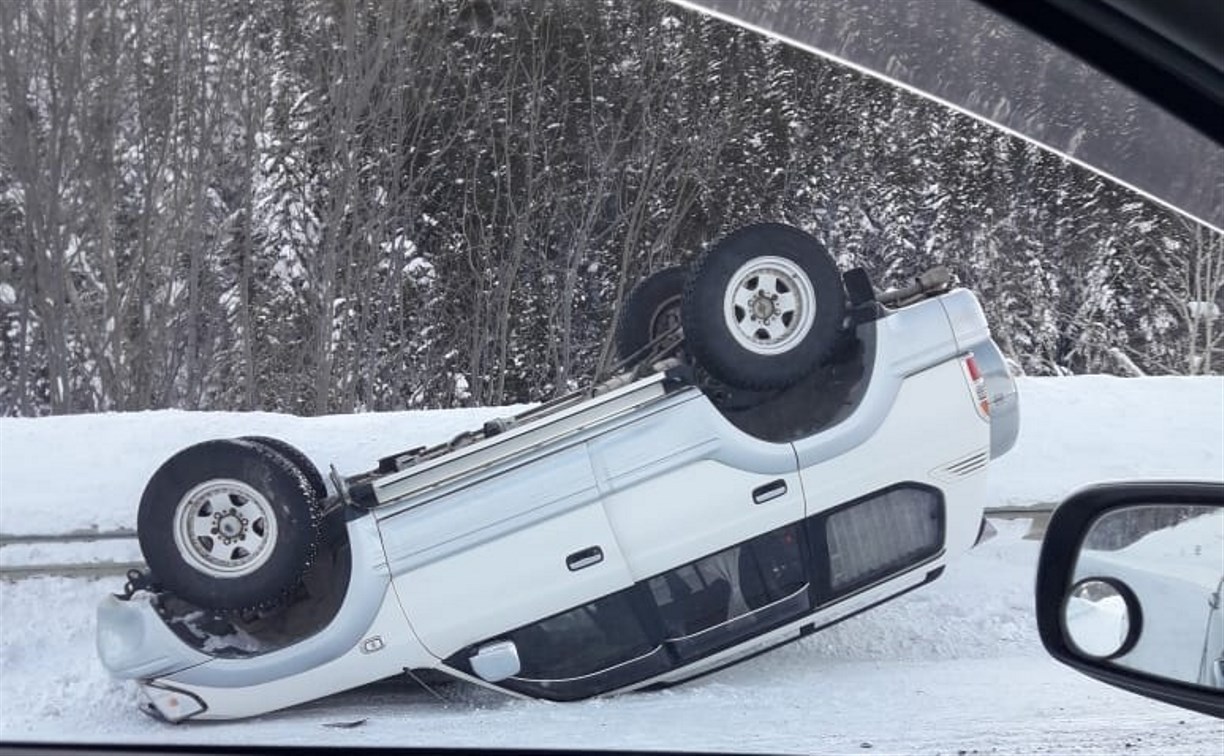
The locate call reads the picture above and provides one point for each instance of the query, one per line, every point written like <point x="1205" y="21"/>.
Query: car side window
<point x="866" y="540"/>
<point x="581" y="641"/>
<point x="591" y="649"/>
<point x="723" y="598"/>
<point x="729" y="583"/>
<point x="733" y="593"/>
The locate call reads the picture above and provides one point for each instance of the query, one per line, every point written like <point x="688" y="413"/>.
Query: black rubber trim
<point x="1153" y="63"/>
<point x="677" y="378"/>
<point x="391" y="463"/>
<point x="362" y="495"/>
<point x="804" y="631"/>
<point x="1059" y="552"/>
<point x="859" y="290"/>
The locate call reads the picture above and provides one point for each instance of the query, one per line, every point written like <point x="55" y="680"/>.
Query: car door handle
<point x="584" y="558"/>
<point x="769" y="491"/>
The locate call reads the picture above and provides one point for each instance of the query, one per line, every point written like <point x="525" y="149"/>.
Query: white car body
<point x="623" y="515"/>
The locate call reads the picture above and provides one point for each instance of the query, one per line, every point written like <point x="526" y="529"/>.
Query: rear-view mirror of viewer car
<point x="1129" y="588"/>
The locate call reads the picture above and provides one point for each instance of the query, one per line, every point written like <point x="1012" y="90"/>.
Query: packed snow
<point x="955" y="667"/>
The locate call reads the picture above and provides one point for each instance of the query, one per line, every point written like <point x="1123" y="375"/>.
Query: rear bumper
<point x="1004" y="398"/>
<point x="972" y="334"/>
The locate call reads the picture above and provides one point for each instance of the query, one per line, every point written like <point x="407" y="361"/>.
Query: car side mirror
<point x="494" y="662"/>
<point x="1129" y="588"/>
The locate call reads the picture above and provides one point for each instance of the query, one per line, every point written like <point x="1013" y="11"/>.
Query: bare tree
<point x="1192" y="288"/>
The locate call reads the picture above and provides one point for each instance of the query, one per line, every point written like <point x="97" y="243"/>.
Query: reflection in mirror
<point x="1097" y="618"/>
<point x="1171" y="558"/>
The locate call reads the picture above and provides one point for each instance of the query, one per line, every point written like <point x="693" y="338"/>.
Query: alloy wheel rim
<point x="224" y="528"/>
<point x="770" y="305"/>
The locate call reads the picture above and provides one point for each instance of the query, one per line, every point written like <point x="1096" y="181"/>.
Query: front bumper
<point x="134" y="643"/>
<point x="169" y="704"/>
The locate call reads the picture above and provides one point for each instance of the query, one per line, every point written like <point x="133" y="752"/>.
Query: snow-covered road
<point x="953" y="668"/>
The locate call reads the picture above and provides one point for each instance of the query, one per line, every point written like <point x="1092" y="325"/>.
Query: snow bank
<point x="1089" y="429"/>
<point x="85" y="472"/>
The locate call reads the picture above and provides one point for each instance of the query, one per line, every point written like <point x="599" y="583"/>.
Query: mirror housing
<point x="1172" y="614"/>
<point x="494" y="662"/>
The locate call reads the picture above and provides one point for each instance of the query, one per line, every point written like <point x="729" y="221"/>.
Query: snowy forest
<point x="315" y="206"/>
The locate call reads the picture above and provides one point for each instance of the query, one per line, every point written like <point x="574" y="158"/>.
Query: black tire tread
<point x="633" y="323"/>
<point x="700" y="327"/>
<point x="166" y="565"/>
<point x="297" y="458"/>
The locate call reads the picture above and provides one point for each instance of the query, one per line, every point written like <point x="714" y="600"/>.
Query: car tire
<point x="762" y="308"/>
<point x="651" y="309"/>
<point x="295" y="458"/>
<point x="229" y="525"/>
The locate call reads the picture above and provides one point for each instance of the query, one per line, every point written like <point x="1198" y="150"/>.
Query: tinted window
<point x="582" y="641"/>
<point x="729" y="583"/>
<point x="878" y="535"/>
<point x="588" y="650"/>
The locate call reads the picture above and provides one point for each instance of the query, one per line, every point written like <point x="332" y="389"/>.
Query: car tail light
<point x="977" y="386"/>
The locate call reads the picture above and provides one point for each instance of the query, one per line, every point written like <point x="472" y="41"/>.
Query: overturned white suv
<point x="782" y="448"/>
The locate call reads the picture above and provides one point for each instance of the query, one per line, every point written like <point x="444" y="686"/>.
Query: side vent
<point x="962" y="468"/>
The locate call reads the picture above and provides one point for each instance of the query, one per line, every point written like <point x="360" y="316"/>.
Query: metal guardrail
<point x="1016" y="513"/>
<point x="75" y="536"/>
<point x="1039" y="516"/>
<point x="71" y="570"/>
<point x="99" y="569"/>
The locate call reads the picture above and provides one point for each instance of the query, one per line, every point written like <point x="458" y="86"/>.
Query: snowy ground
<point x="952" y="668"/>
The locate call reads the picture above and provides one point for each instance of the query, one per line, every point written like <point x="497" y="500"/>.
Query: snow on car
<point x="782" y="447"/>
